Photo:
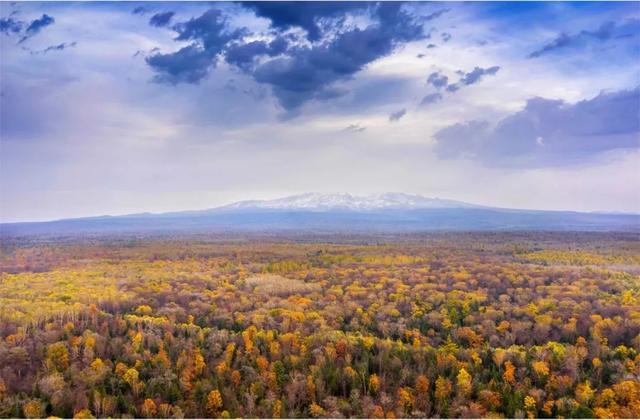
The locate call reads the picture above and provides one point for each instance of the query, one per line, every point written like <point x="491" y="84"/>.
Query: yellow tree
<point x="584" y="393"/>
<point x="443" y="391"/>
<point x="530" y="406"/>
<point x="405" y="399"/>
<point x="509" y="373"/>
<point x="131" y="376"/>
<point x="198" y="362"/>
<point x="463" y="382"/>
<point x="541" y="369"/>
<point x="277" y="409"/>
<point x="136" y="342"/>
<point x="316" y="411"/>
<point x="214" y="402"/>
<point x="374" y="383"/>
<point x="83" y="414"/>
<point x="57" y="356"/>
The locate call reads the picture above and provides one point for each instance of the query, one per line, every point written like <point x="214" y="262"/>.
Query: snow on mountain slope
<point x="342" y="201"/>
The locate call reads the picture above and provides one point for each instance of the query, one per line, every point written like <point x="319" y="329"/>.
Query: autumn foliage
<point x="460" y="325"/>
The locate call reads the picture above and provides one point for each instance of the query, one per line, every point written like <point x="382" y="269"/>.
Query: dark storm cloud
<point x="210" y="29"/>
<point x="278" y="46"/>
<point x="37" y="25"/>
<point x="296" y="73"/>
<point x="161" y="19"/>
<point x="244" y="55"/>
<point x="308" y="71"/>
<point x="549" y="132"/>
<point x="607" y="31"/>
<point x="10" y="25"/>
<point x="209" y="34"/>
<point x="306" y="15"/>
<point x="188" y="65"/>
<point x="395" y="116"/>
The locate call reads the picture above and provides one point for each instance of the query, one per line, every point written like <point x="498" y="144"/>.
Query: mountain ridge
<point x="340" y="212"/>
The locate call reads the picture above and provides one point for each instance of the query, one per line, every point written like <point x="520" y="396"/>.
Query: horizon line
<point x="165" y="212"/>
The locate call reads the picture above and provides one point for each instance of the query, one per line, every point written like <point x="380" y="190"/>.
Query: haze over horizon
<point x="121" y="108"/>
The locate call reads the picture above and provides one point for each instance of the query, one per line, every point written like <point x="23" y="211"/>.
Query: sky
<point x="124" y="107"/>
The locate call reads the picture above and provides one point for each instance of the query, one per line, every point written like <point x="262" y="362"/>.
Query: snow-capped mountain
<point x="342" y="201"/>
<point x="389" y="213"/>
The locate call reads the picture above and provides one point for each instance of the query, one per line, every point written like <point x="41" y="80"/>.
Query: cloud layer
<point x="548" y="132"/>
<point x="9" y="26"/>
<point x="297" y="72"/>
<point x="121" y="107"/>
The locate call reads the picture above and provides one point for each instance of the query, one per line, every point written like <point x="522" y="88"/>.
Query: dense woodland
<point x="461" y="325"/>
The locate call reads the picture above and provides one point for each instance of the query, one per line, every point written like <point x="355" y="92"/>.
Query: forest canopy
<point x="461" y="325"/>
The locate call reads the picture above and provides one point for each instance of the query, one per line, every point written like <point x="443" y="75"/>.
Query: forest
<point x="475" y="325"/>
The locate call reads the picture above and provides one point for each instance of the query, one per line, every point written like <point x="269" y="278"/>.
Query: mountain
<point x="324" y="202"/>
<point x="332" y="213"/>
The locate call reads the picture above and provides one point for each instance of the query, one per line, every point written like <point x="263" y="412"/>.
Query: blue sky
<point x="114" y="108"/>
